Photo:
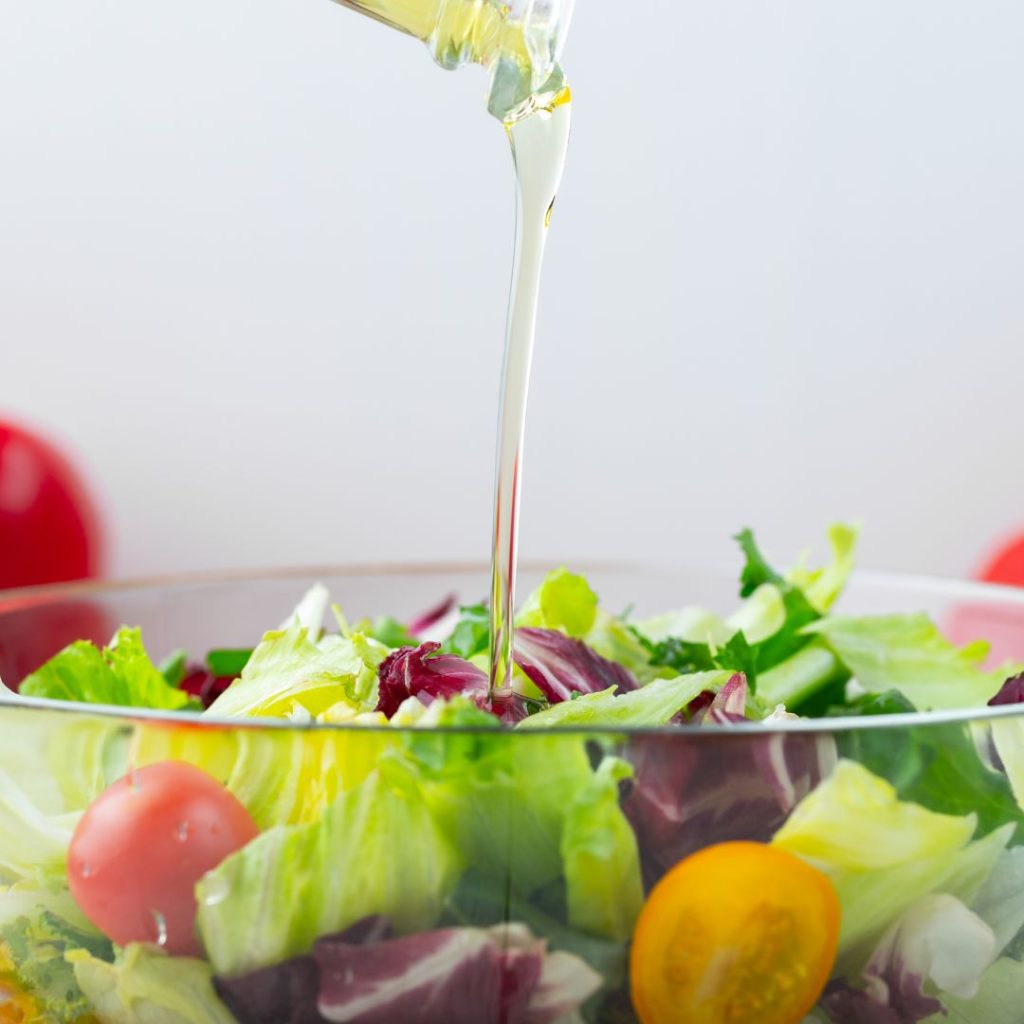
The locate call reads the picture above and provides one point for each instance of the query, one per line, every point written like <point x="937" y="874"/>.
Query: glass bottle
<point x="518" y="41"/>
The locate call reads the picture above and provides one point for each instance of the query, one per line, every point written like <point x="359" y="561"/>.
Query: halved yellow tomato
<point x="739" y="933"/>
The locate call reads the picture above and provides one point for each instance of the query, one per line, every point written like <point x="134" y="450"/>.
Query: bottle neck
<point x="507" y="38"/>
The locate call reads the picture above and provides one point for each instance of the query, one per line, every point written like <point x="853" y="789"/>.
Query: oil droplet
<point x="161" y="928"/>
<point x="181" y="832"/>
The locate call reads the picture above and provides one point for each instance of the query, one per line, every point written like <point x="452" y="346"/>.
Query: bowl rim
<point x="22" y="598"/>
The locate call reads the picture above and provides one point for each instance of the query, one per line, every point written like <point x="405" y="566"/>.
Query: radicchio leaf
<point x="283" y="994"/>
<point x="938" y="942"/>
<point x="1011" y="692"/>
<point x="560" y="666"/>
<point x="422" y="673"/>
<point x="730" y="703"/>
<point x="432" y="616"/>
<point x="717" y="788"/>
<point x="458" y="975"/>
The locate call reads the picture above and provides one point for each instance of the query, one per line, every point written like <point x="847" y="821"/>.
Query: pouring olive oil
<point x="519" y="42"/>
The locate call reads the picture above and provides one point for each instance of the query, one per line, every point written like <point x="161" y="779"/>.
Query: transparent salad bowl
<point x="871" y="866"/>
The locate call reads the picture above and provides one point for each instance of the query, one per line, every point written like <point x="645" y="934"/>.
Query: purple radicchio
<point x="432" y="616"/>
<point x="730" y="704"/>
<point x="560" y="666"/>
<point x="719" y="787"/>
<point x="939" y="944"/>
<point x="1011" y="692"/>
<point x="502" y="975"/>
<point x="422" y="673"/>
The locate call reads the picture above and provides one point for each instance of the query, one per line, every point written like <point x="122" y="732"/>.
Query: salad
<point x="646" y="824"/>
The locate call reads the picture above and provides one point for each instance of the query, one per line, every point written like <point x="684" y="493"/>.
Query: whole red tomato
<point x="1006" y="565"/>
<point x="142" y="845"/>
<point x="49" y="528"/>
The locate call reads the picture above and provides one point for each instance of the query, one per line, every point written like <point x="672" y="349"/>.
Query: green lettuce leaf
<point x="823" y="586"/>
<point x="146" y="986"/>
<point x="884" y="854"/>
<point x="765" y="638"/>
<point x="652" y="705"/>
<point x="530" y="813"/>
<point x="291" y="674"/>
<point x="566" y="602"/>
<point x="563" y="601"/>
<point x="121" y="674"/>
<point x="52" y="766"/>
<point x="604" y="890"/>
<point x="283" y="777"/>
<point x="377" y="850"/>
<point x="37" y="927"/>
<point x="998" y="1000"/>
<point x="937" y="766"/>
<point x="910" y="654"/>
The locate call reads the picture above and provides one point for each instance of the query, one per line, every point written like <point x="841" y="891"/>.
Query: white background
<point x="254" y="258"/>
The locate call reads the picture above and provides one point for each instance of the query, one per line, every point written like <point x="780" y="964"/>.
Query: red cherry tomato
<point x="1007" y="564"/>
<point x="141" y="847"/>
<point x="49" y="529"/>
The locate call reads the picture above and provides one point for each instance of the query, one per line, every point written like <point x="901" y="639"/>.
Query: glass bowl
<point x="487" y="875"/>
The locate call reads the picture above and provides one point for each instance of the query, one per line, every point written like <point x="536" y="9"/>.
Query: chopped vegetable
<point x="139" y="850"/>
<point x="740" y="933"/>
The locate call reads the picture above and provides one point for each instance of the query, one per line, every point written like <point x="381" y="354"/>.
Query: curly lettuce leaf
<point x="121" y="674"/>
<point x="37" y="927"/>
<point x="377" y="850"/>
<point x="145" y="986"/>
<point x="291" y="673"/>
<point x="909" y="653"/>
<point x="566" y="602"/>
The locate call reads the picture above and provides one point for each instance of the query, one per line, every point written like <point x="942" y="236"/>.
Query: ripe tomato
<point x="1007" y="564"/>
<point x="142" y="845"/>
<point x="49" y="529"/>
<point x="738" y="933"/>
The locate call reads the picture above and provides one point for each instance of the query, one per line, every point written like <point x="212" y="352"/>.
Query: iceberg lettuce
<point x="377" y="850"/>
<point x="604" y="890"/>
<point x="283" y="777"/>
<point x="883" y="854"/>
<point x="909" y="653"/>
<point x="652" y="705"/>
<point x="290" y="671"/>
<point x="52" y="766"/>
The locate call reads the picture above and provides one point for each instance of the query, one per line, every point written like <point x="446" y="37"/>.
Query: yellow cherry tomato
<point x="739" y="933"/>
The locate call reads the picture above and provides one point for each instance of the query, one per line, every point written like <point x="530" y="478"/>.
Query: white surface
<point x="254" y="257"/>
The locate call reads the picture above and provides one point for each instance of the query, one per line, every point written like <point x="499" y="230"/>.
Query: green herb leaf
<point x="472" y="633"/>
<point x="756" y="570"/>
<point x="174" y="667"/>
<point x="392" y="633"/>
<point x="227" y="663"/>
